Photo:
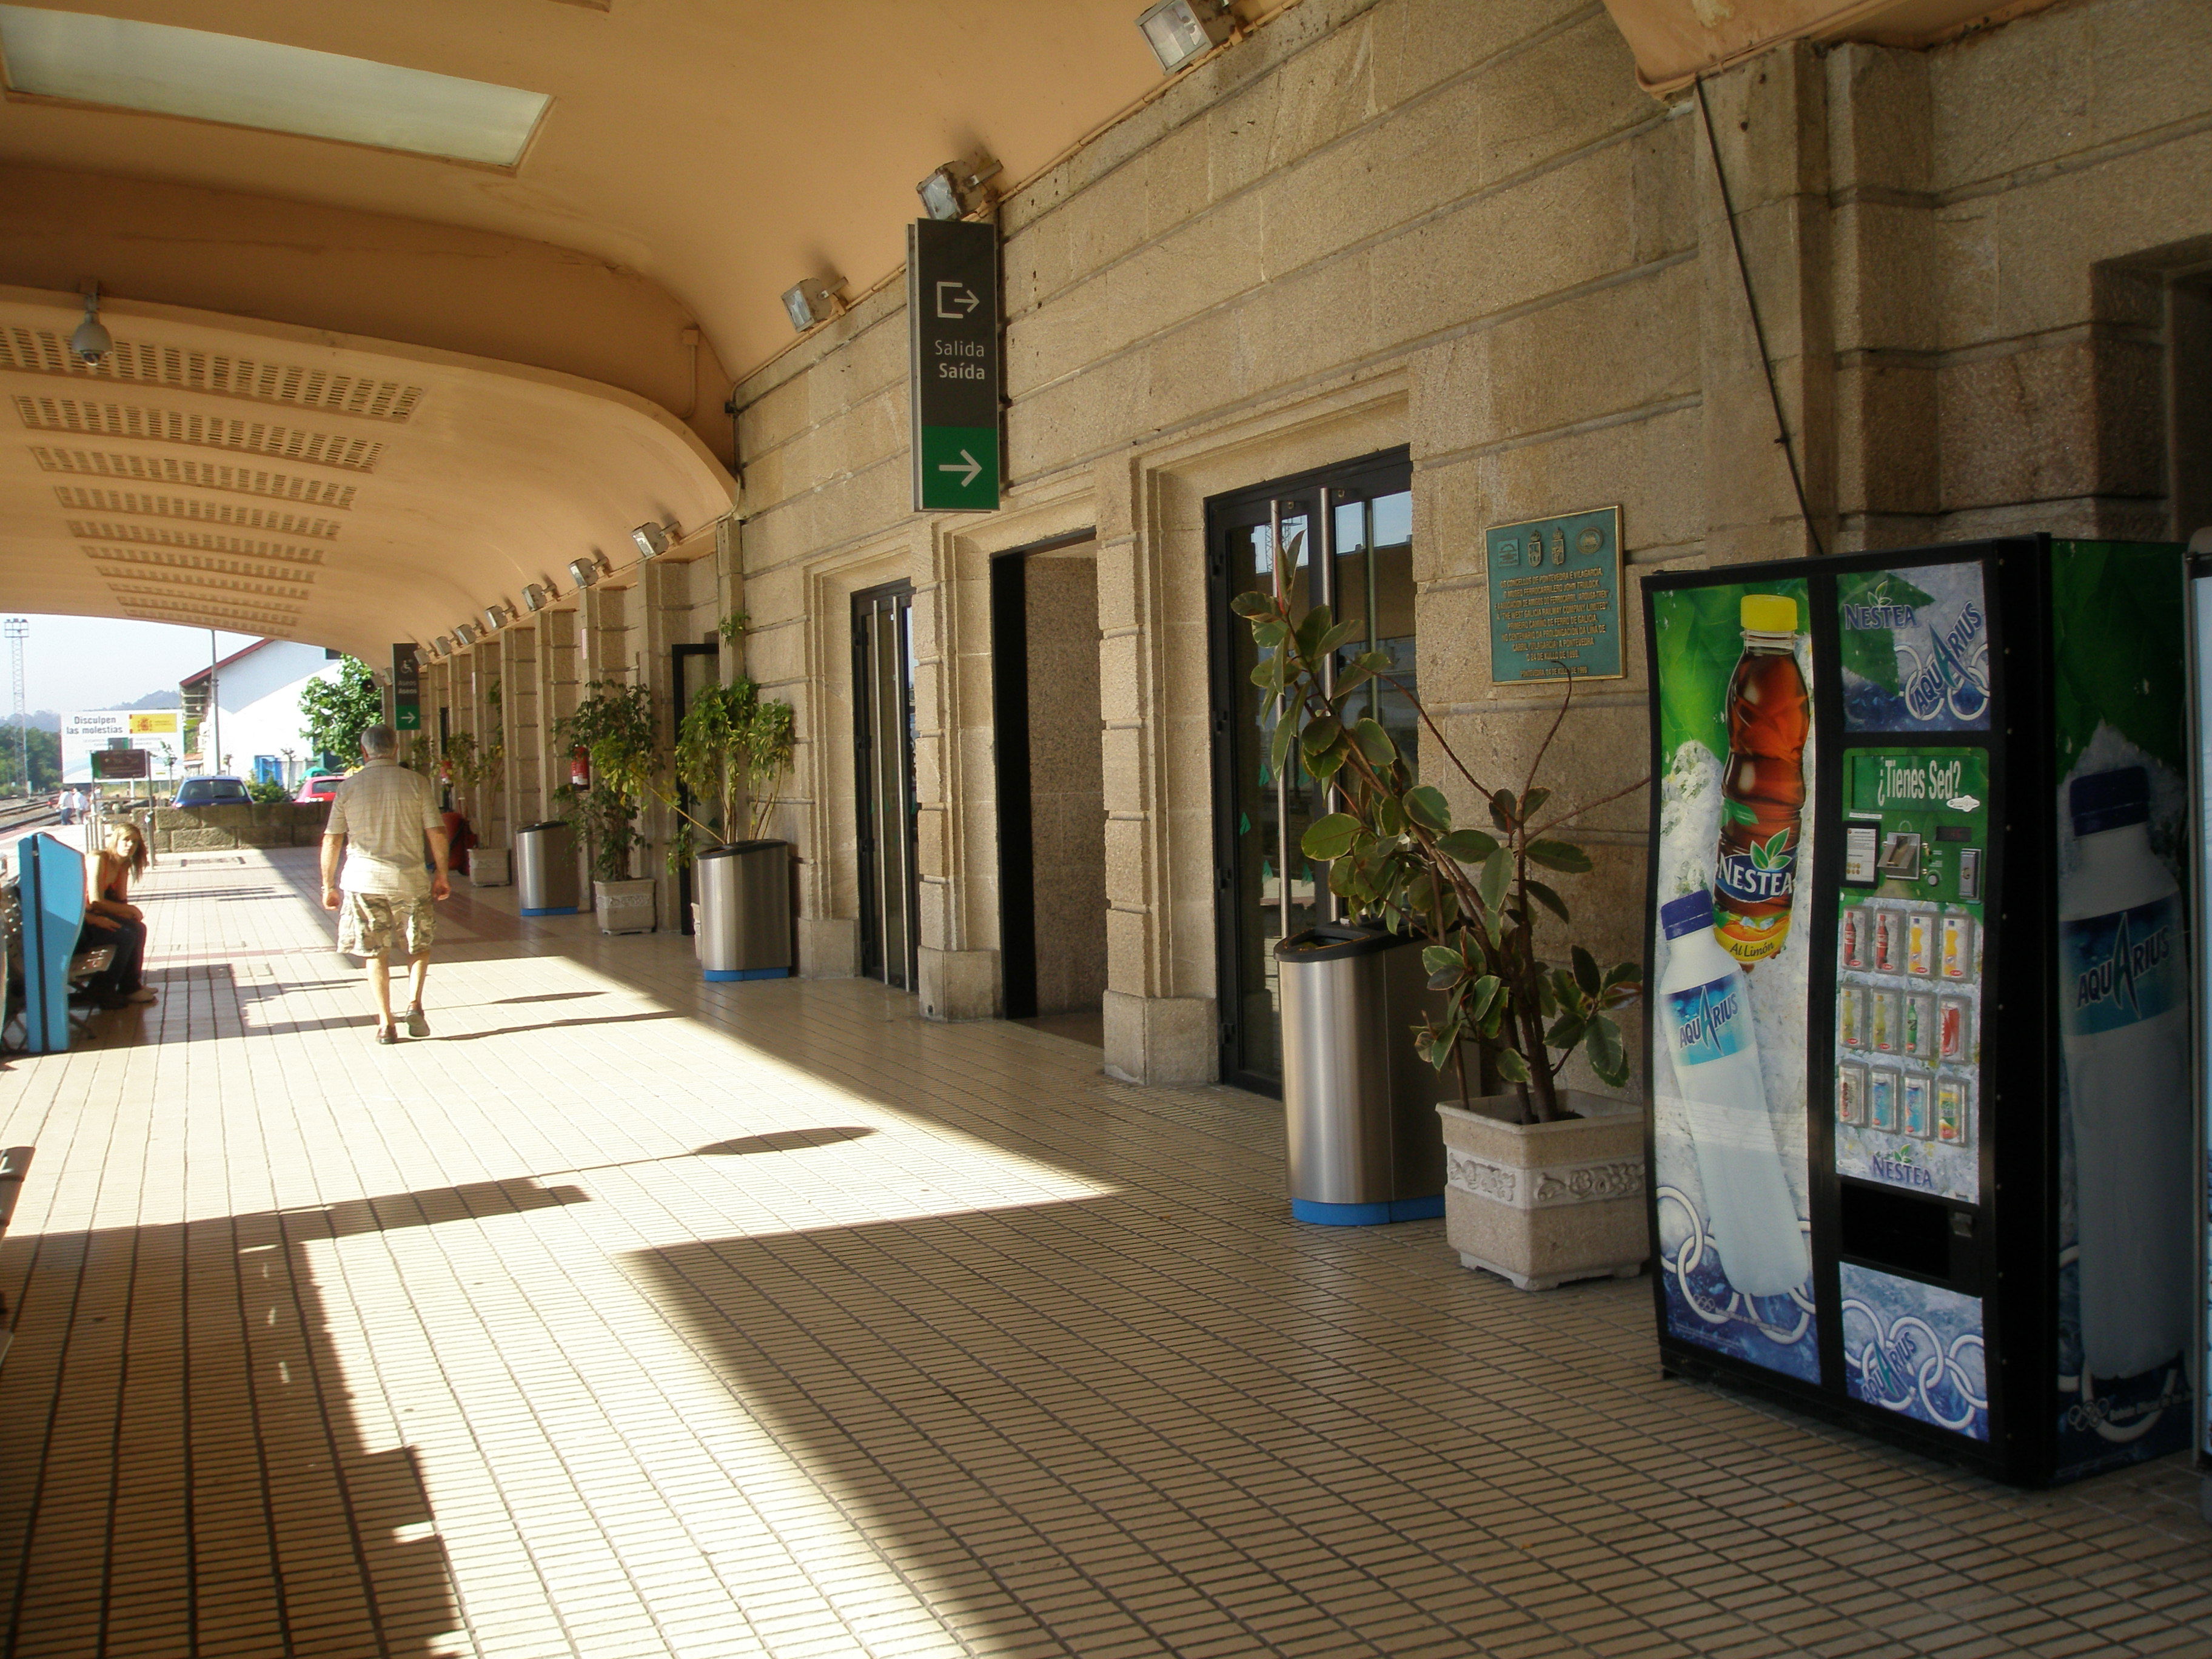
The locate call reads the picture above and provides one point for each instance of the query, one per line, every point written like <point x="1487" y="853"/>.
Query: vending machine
<point x="2200" y="704"/>
<point x="1922" y="1139"/>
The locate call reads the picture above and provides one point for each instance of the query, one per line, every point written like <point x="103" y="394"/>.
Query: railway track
<point x="16" y="819"/>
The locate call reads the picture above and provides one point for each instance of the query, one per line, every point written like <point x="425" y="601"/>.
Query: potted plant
<point x="613" y="725"/>
<point x="469" y="766"/>
<point x="733" y="746"/>
<point x="1544" y="1183"/>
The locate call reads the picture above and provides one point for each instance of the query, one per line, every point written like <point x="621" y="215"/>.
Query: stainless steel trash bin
<point x="744" y="910"/>
<point x="545" y="869"/>
<point x="1359" y="1102"/>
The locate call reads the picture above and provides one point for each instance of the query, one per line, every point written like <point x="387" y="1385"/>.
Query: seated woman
<point x="110" y="918"/>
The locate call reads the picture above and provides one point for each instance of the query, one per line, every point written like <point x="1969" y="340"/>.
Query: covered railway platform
<point x="630" y="1315"/>
<point x="942" y="1296"/>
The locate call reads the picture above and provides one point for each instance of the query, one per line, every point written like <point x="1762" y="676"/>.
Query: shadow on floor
<point x="183" y="1472"/>
<point x="783" y="1140"/>
<point x="1054" y="1420"/>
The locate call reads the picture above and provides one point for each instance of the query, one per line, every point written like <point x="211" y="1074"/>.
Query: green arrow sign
<point x="953" y="357"/>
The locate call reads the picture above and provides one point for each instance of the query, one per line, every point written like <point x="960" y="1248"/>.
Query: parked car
<point x="212" y="792"/>
<point x="323" y="787"/>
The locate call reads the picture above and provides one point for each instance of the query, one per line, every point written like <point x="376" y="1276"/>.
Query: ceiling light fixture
<point x="533" y="597"/>
<point x="496" y="617"/>
<point x="584" y="572"/>
<point x="1178" y="31"/>
<point x="92" y="341"/>
<point x="813" y="301"/>
<point x="464" y="634"/>
<point x="652" y="540"/>
<point x="956" y="189"/>
<point x="203" y="76"/>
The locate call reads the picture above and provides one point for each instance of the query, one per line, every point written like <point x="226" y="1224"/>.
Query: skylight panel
<point x="228" y="78"/>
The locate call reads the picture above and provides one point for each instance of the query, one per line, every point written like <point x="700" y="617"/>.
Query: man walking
<point x="378" y="819"/>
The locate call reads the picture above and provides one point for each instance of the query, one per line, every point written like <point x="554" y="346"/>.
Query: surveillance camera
<point x="92" y="341"/>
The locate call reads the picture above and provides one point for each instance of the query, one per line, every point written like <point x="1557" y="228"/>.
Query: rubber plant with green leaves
<point x="614" y="725"/>
<point x="1471" y="894"/>
<point x="732" y="742"/>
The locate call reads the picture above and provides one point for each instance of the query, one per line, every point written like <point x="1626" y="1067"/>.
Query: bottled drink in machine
<point x="1763" y="791"/>
<point x="1704" y="1009"/>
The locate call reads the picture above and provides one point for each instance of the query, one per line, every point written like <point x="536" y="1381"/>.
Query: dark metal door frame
<point x="679" y="704"/>
<point x="1315" y="493"/>
<point x="889" y="888"/>
<point x="1010" y="759"/>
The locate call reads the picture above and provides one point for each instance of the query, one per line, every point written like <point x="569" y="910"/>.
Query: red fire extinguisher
<point x="579" y="767"/>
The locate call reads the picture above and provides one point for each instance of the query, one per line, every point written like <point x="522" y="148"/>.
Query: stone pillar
<point x="517" y="648"/>
<point x="1769" y="118"/>
<point x="1157" y="1029"/>
<point x="665" y="589"/>
<point x="1887" y="327"/>
<point x="957" y="980"/>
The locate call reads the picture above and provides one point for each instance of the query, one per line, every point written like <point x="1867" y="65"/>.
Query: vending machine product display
<point x="1921" y="1137"/>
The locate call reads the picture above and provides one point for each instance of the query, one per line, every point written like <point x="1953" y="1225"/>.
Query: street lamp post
<point x="19" y="631"/>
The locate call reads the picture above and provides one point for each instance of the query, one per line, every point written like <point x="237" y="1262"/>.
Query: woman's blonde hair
<point x="128" y="842"/>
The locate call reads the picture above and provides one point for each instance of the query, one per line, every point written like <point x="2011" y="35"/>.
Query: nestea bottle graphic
<point x="1704" y="1009"/>
<point x="1763" y="791"/>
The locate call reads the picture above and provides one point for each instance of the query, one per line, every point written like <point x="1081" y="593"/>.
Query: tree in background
<point x="339" y="710"/>
<point x="46" y="760"/>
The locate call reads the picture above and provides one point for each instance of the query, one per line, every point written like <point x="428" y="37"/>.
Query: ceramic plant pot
<point x="1543" y="1203"/>
<point x="623" y="907"/>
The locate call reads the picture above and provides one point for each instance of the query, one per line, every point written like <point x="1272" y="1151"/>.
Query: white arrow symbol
<point x="968" y="472"/>
<point x="953" y="294"/>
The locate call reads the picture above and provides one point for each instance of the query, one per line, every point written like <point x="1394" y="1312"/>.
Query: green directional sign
<point x="406" y="690"/>
<point x="953" y="357"/>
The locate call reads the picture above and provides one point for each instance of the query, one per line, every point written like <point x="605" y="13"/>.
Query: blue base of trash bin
<point x="1367" y="1215"/>
<point x="558" y="910"/>
<point x="723" y="975"/>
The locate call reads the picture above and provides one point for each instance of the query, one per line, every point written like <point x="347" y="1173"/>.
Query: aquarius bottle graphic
<point x="1763" y="790"/>
<point x="2124" y="1003"/>
<point x="1704" y="1009"/>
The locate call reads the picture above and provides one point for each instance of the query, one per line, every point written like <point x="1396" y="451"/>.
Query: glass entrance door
<point x="1342" y="538"/>
<point x="883" y="772"/>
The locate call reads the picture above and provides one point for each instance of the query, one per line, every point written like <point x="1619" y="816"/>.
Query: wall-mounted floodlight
<point x="92" y="341"/>
<point x="533" y="597"/>
<point x="1180" y="30"/>
<point x="447" y="646"/>
<point x="464" y="634"/>
<point x="955" y="190"/>
<point x="496" y="617"/>
<point x="813" y="301"/>
<point x="583" y="572"/>
<point x="652" y="539"/>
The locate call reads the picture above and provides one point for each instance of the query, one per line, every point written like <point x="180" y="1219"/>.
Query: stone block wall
<point x="1463" y="228"/>
<point x="227" y="828"/>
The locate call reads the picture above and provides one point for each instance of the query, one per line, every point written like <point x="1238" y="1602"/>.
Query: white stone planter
<point x="1543" y="1203"/>
<point x="491" y="866"/>
<point x="623" y="907"/>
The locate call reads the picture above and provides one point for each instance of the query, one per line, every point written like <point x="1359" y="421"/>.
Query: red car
<point x="323" y="787"/>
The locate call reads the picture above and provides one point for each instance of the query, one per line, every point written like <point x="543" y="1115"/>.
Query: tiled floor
<point x="630" y="1317"/>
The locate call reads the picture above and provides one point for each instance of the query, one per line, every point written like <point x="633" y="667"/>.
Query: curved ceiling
<point x="308" y="485"/>
<point x="724" y="149"/>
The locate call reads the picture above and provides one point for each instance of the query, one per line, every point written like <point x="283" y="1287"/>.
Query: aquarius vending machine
<point x="1921" y="1142"/>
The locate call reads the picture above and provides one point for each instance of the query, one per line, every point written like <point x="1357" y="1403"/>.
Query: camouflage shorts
<point x="369" y="922"/>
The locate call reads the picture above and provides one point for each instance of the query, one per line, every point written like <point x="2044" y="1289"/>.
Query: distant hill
<point x="40" y="719"/>
<point x="167" y="698"/>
